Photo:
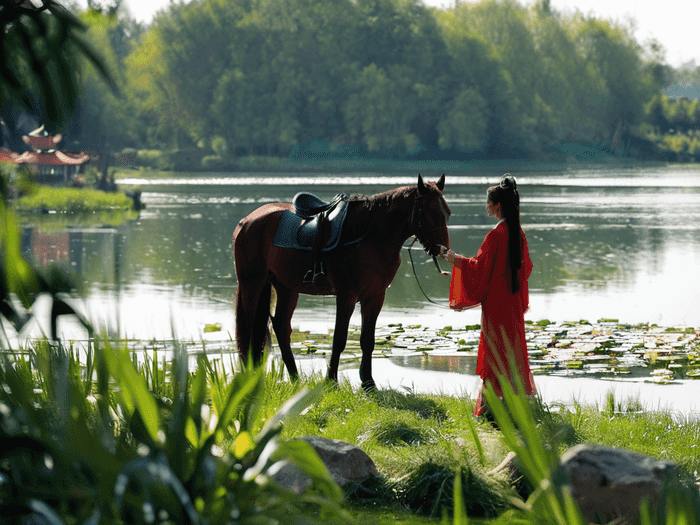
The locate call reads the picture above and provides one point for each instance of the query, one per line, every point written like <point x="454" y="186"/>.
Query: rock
<point x="610" y="483"/>
<point x="347" y="464"/>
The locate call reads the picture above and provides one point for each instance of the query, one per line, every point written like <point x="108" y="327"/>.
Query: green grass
<point x="435" y="461"/>
<point x="72" y="200"/>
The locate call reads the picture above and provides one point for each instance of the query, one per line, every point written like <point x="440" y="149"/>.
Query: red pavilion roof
<point x="57" y="158"/>
<point x="7" y="156"/>
<point x="42" y="142"/>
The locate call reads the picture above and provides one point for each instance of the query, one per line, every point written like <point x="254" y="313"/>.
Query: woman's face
<point x="494" y="210"/>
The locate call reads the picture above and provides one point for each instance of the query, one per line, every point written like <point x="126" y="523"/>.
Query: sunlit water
<point x="678" y="398"/>
<point x="615" y="243"/>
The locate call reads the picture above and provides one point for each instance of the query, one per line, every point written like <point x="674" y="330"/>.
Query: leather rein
<point x="422" y="237"/>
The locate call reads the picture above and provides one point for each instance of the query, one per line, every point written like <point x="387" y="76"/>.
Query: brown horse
<point x="359" y="269"/>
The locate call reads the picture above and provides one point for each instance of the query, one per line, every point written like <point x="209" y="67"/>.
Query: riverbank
<point x="455" y="167"/>
<point x="51" y="200"/>
<point x="142" y="416"/>
<point x="652" y="368"/>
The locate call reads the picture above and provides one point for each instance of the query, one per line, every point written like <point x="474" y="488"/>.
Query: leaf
<point x="291" y="407"/>
<point x="134" y="391"/>
<point x="43" y="514"/>
<point x="305" y="458"/>
<point x="243" y="444"/>
<point x="459" y="516"/>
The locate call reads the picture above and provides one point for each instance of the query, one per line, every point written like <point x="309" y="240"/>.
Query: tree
<point x="464" y="126"/>
<point x="379" y="110"/>
<point x="40" y="45"/>
<point x="503" y="24"/>
<point x="104" y="121"/>
<point x="475" y="75"/>
<point x="614" y="60"/>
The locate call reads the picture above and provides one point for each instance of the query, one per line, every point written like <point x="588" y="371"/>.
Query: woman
<point x="497" y="279"/>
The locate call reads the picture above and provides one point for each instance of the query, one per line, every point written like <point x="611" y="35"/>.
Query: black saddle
<point x="314" y="225"/>
<point x="308" y="205"/>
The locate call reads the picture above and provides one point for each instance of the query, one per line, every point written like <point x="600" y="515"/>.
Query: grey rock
<point x="347" y="463"/>
<point x="610" y="483"/>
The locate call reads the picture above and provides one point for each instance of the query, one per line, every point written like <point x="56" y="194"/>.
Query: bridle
<point x="422" y="236"/>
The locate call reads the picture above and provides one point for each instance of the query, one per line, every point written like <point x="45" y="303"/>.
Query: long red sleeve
<point x="484" y="280"/>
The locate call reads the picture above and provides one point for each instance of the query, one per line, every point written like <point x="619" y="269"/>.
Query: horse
<point x="359" y="269"/>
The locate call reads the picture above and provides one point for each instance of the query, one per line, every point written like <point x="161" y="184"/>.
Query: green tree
<point x="40" y="45"/>
<point x="503" y="24"/>
<point x="104" y="120"/>
<point x="614" y="59"/>
<point x="477" y="104"/>
<point x="379" y="110"/>
<point x="558" y="111"/>
<point x="464" y="126"/>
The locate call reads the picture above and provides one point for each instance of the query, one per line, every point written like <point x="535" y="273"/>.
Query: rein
<point x="413" y="267"/>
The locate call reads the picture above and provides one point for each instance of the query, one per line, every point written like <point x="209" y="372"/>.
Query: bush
<point x="216" y="163"/>
<point x="72" y="200"/>
<point x="150" y="158"/>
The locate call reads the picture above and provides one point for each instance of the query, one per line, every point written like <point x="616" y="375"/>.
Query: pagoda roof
<point x="55" y="158"/>
<point x="42" y="143"/>
<point x="7" y="156"/>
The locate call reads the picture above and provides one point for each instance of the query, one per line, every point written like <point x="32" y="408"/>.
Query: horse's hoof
<point x="369" y="386"/>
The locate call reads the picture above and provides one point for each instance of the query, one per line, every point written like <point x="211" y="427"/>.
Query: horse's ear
<point x="422" y="190"/>
<point x="441" y="182"/>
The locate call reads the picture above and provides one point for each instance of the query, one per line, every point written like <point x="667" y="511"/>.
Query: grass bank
<point x="192" y="443"/>
<point x="48" y="199"/>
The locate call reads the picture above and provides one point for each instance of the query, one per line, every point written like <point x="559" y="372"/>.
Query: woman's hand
<point x="447" y="254"/>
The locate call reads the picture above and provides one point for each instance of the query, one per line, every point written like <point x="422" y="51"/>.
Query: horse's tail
<point x="253" y="338"/>
<point x="261" y="327"/>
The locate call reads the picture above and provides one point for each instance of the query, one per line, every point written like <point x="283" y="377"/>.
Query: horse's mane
<point x="361" y="215"/>
<point x="383" y="199"/>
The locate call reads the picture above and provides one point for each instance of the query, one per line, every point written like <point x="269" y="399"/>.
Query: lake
<point x="616" y="243"/>
<point x="619" y="243"/>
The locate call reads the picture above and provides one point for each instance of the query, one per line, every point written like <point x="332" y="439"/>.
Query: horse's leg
<point x="281" y="322"/>
<point x="343" y="311"/>
<point x="247" y="305"/>
<point x="370" y="311"/>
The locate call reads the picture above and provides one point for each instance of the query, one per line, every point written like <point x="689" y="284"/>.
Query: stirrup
<point x="317" y="270"/>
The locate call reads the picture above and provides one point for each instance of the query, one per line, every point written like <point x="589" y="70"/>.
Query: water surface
<point x="618" y="243"/>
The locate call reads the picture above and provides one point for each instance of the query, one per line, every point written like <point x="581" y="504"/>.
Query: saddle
<point x="313" y="225"/>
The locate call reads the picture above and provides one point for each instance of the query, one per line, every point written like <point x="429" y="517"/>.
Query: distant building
<point x="51" y="165"/>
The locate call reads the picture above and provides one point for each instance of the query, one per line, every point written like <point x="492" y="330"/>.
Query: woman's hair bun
<point x="508" y="182"/>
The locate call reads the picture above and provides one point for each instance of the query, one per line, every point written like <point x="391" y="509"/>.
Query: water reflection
<point x="607" y="243"/>
<point x="461" y="364"/>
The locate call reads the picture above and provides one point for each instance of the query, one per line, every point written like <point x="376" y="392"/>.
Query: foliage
<point x="488" y="79"/>
<point x="104" y="120"/>
<point x="552" y="500"/>
<point x="72" y="200"/>
<point x="40" y="44"/>
<point x="173" y="446"/>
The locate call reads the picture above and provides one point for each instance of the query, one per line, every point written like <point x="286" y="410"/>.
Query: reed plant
<point x="98" y="439"/>
<point x="100" y="435"/>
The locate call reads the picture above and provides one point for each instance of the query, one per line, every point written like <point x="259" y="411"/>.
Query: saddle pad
<point x="293" y="230"/>
<point x="286" y="234"/>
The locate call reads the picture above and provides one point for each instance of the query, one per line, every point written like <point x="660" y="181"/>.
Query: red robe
<point x="484" y="280"/>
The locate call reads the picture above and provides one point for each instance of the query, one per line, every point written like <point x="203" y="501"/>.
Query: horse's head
<point x="430" y="216"/>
